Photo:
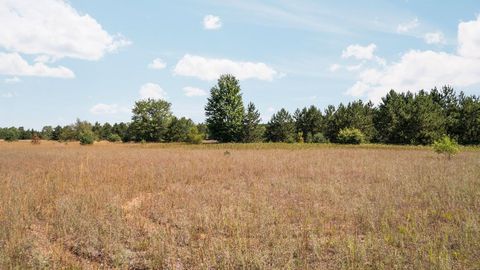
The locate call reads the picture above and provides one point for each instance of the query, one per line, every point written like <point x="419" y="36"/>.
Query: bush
<point x="35" y="139"/>
<point x="114" y="137"/>
<point x="446" y="146"/>
<point x="299" y="137"/>
<point x="11" y="135"/>
<point x="194" y="137"/>
<point x="351" y="136"/>
<point x="86" y="137"/>
<point x="319" y="138"/>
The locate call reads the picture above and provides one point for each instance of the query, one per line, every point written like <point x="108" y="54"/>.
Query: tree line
<point x="400" y="118"/>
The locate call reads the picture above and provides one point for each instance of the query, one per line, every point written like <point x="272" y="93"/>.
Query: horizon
<point x="288" y="55"/>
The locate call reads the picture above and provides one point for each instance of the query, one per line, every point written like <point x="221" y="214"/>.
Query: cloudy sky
<point x="88" y="59"/>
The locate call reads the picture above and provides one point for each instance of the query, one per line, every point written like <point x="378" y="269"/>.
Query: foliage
<point x="179" y="129"/>
<point x="35" y="139"/>
<point x="114" y="137"/>
<point x="281" y="127"/>
<point x="350" y="136"/>
<point x="252" y="131"/>
<point x="194" y="136"/>
<point x="308" y="121"/>
<point x="224" y="110"/>
<point x="11" y="135"/>
<point x="319" y="138"/>
<point x="150" y="120"/>
<point x="446" y="146"/>
<point x="86" y="137"/>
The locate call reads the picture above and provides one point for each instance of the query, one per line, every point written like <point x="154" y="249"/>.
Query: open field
<point x="237" y="207"/>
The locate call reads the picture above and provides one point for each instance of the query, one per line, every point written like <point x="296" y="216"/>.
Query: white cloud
<point x="426" y="69"/>
<point x="335" y="67"/>
<point x="157" y="64"/>
<point x="360" y="52"/>
<point x="152" y="90"/>
<point x="194" y="92"/>
<point x="469" y="38"/>
<point x="408" y="26"/>
<point x="7" y="95"/>
<point x="211" y="22"/>
<point x="55" y="29"/>
<point x="12" y="80"/>
<point x="434" y="38"/>
<point x="102" y="109"/>
<point x="210" y="69"/>
<point x="14" y="65"/>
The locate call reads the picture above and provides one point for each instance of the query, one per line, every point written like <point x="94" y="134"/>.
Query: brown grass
<point x="181" y="207"/>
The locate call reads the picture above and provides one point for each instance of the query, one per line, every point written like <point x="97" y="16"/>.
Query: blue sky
<point x="93" y="59"/>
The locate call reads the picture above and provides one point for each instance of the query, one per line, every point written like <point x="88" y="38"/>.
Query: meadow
<point x="259" y="206"/>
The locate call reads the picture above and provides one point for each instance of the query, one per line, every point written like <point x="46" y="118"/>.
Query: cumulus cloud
<point x="14" y="65"/>
<point x="210" y="69"/>
<point x="102" y="109"/>
<point x="157" y="64"/>
<point x="360" y="52"/>
<point x="52" y="30"/>
<point x="408" y="26"/>
<point x="426" y="69"/>
<point x="194" y="92"/>
<point x="335" y="67"/>
<point x="211" y="22"/>
<point x="469" y="38"/>
<point x="434" y="38"/>
<point x="152" y="90"/>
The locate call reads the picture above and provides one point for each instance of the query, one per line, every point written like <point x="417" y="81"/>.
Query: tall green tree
<point x="179" y="129"/>
<point x="252" y="131"/>
<point x="281" y="127"/>
<point x="469" y="119"/>
<point x="150" y="120"/>
<point x="309" y="121"/>
<point x="225" y="111"/>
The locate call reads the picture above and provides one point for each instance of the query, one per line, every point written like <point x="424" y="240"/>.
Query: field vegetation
<point x="237" y="206"/>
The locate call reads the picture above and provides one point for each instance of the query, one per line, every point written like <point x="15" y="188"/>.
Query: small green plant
<point x="194" y="137"/>
<point x="299" y="137"/>
<point x="86" y="137"/>
<point x="319" y="138"/>
<point x="446" y="146"/>
<point x="114" y="137"/>
<point x="351" y="136"/>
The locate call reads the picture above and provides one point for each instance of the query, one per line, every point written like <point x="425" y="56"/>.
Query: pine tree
<point x="225" y="111"/>
<point x="281" y="127"/>
<point x="252" y="131"/>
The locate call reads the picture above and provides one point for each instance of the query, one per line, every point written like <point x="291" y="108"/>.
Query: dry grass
<point x="179" y="207"/>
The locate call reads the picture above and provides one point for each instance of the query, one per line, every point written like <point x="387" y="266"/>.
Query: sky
<point x="90" y="59"/>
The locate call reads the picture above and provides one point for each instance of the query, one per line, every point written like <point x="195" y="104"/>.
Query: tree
<point x="56" y="133"/>
<point x="281" y="127"/>
<point x="308" y="121"/>
<point x="179" y="129"/>
<point x="469" y="119"/>
<point x="225" y="111"/>
<point x="47" y="133"/>
<point x="252" y="131"/>
<point x="150" y="120"/>
<point x="446" y="146"/>
<point x="11" y="134"/>
<point x="427" y="121"/>
<point x="86" y="137"/>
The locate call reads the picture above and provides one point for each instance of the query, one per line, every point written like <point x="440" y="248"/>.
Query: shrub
<point x="351" y="136"/>
<point x="86" y="137"/>
<point x="194" y="137"/>
<point x="319" y="138"/>
<point x="446" y="146"/>
<point x="11" y="135"/>
<point x="114" y="137"/>
<point x="299" y="137"/>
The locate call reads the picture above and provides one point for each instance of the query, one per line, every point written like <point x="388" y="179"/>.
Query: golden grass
<point x="258" y="207"/>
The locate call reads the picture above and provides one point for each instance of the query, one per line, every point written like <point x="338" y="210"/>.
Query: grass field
<point x="237" y="207"/>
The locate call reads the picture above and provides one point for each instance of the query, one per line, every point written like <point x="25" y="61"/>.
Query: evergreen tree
<point x="224" y="110"/>
<point x="252" y="131"/>
<point x="281" y="127"/>
<point x="47" y="133"/>
<point x="469" y="119"/>
<point x="309" y="121"/>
